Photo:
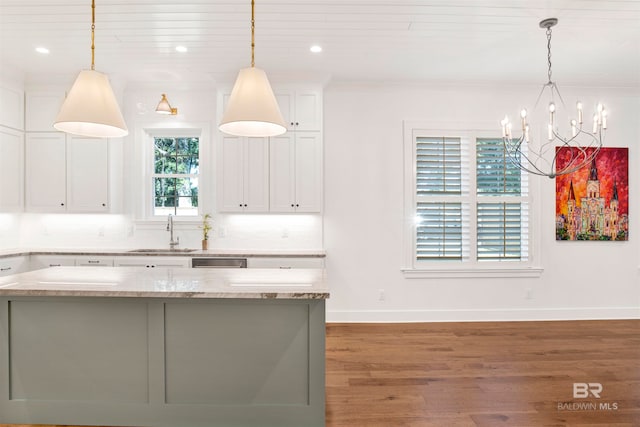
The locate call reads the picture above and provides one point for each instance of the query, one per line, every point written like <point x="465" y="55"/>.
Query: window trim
<point x="471" y="267"/>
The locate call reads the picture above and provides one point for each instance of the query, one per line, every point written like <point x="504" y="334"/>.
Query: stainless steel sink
<point x="169" y="251"/>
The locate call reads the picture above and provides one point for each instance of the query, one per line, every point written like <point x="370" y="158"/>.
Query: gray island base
<point x="183" y="347"/>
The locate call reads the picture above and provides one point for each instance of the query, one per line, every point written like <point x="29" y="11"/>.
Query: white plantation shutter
<point x="447" y="213"/>
<point x="502" y="214"/>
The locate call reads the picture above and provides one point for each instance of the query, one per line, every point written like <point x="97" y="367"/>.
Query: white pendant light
<point x="252" y="109"/>
<point x="90" y="108"/>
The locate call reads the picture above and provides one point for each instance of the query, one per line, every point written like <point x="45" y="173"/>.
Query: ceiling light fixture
<point x="532" y="150"/>
<point x="315" y="48"/>
<point x="43" y="50"/>
<point x="252" y="109"/>
<point x="90" y="108"/>
<point x="165" y="108"/>
<point x="182" y="49"/>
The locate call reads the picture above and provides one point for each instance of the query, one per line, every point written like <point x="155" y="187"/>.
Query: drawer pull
<point x="5" y="269"/>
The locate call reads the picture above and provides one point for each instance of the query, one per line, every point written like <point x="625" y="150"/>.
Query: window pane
<point x="438" y="166"/>
<point x="439" y="231"/>
<point x="176" y="195"/>
<point x="499" y="231"/>
<point x="176" y="156"/>
<point x="496" y="175"/>
<point x="188" y="165"/>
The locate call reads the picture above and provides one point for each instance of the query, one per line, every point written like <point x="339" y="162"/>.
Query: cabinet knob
<point x="240" y="205"/>
<point x="104" y="204"/>
<point x="245" y="205"/>
<point x="297" y="123"/>
<point x="61" y="204"/>
<point x="297" y="205"/>
<point x="291" y="204"/>
<point x="291" y="123"/>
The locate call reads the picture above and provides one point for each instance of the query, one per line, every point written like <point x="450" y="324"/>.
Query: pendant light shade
<point x="91" y="109"/>
<point x="252" y="109"/>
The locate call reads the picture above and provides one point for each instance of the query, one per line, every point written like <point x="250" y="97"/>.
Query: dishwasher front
<point x="218" y="262"/>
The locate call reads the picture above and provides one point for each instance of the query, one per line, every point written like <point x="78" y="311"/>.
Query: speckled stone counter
<point x="168" y="283"/>
<point x="166" y="347"/>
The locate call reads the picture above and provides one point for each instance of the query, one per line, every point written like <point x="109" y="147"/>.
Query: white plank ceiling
<point x="596" y="41"/>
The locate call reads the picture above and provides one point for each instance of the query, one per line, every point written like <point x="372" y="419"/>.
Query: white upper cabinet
<point x="66" y="173"/>
<point x="11" y="108"/>
<point x="11" y="170"/>
<point x="243" y="184"/>
<point x="42" y="109"/>
<point x="87" y="174"/>
<point x="301" y="109"/>
<point x="46" y="165"/>
<point x="296" y="172"/>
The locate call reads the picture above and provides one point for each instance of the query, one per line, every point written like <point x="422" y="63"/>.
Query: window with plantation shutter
<point x="470" y="205"/>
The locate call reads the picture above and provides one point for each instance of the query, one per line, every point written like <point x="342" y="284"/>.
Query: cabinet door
<point x="87" y="174"/>
<point x="308" y="112"/>
<point x="301" y="110"/>
<point x="13" y="265"/>
<point x="11" y="173"/>
<point x="296" y="172"/>
<point x="94" y="261"/>
<point x="45" y="261"/>
<point x="153" y="262"/>
<point x="11" y="107"/>
<point x="41" y="110"/>
<point x="230" y="188"/>
<point x="244" y="182"/>
<point x="308" y="172"/>
<point x="45" y="172"/>
<point x="281" y="173"/>
<point x="256" y="176"/>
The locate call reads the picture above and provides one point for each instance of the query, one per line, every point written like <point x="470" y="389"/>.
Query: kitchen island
<point x="166" y="347"/>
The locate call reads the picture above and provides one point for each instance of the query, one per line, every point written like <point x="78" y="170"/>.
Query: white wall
<point x="364" y="216"/>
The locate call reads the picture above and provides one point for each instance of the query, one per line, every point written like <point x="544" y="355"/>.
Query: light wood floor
<point x="482" y="374"/>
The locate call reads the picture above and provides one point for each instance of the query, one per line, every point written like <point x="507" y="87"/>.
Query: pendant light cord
<point x="93" y="35"/>
<point x="253" y="33"/>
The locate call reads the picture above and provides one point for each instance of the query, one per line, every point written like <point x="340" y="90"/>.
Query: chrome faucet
<point x="176" y="242"/>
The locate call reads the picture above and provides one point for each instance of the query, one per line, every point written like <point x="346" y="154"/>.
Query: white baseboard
<point x="400" y="316"/>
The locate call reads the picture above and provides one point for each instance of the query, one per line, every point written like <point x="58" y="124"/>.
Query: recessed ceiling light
<point x="181" y="49"/>
<point x="42" y="50"/>
<point x="316" y="48"/>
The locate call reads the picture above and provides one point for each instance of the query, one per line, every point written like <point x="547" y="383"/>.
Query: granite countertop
<point x="168" y="283"/>
<point x="246" y="253"/>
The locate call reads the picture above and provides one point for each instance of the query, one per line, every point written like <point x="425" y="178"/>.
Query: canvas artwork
<point x="593" y="202"/>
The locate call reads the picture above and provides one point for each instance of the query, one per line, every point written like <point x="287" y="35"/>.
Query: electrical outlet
<point x="529" y="294"/>
<point x="222" y="231"/>
<point x="101" y="232"/>
<point x="381" y="295"/>
<point x="285" y="233"/>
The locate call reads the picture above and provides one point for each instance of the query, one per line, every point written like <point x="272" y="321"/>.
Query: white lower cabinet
<point x="285" y="262"/>
<point x="94" y="261"/>
<point x="153" y="262"/>
<point x="13" y="265"/>
<point x="45" y="261"/>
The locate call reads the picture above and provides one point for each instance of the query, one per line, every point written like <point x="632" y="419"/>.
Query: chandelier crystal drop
<point x="535" y="150"/>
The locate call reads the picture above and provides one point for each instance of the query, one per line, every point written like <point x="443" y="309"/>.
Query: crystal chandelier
<point x="537" y="154"/>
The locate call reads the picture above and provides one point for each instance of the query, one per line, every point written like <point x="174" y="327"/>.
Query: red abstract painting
<point x="593" y="202"/>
